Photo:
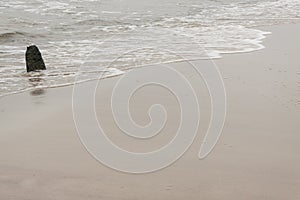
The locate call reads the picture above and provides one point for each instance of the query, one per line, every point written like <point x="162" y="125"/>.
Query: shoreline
<point x="257" y="156"/>
<point x="219" y="55"/>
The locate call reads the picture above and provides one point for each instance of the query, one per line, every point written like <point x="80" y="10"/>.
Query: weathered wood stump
<point x="34" y="60"/>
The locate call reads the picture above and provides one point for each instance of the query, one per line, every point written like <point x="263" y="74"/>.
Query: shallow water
<point x="112" y="36"/>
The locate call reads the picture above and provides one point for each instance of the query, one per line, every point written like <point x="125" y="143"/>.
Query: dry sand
<point x="257" y="157"/>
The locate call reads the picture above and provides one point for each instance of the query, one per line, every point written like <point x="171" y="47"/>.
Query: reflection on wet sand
<point x="37" y="93"/>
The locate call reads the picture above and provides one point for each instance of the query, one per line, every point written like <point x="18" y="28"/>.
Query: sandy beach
<point x="257" y="156"/>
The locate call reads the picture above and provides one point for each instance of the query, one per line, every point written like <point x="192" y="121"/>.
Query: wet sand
<point x="257" y="156"/>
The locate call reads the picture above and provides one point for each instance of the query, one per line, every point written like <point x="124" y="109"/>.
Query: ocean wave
<point x="11" y="34"/>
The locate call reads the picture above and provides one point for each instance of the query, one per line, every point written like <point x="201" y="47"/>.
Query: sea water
<point x="113" y="36"/>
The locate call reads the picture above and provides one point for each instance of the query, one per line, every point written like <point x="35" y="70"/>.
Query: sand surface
<point x="257" y="156"/>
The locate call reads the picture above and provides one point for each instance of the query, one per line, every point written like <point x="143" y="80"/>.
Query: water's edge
<point x="260" y="41"/>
